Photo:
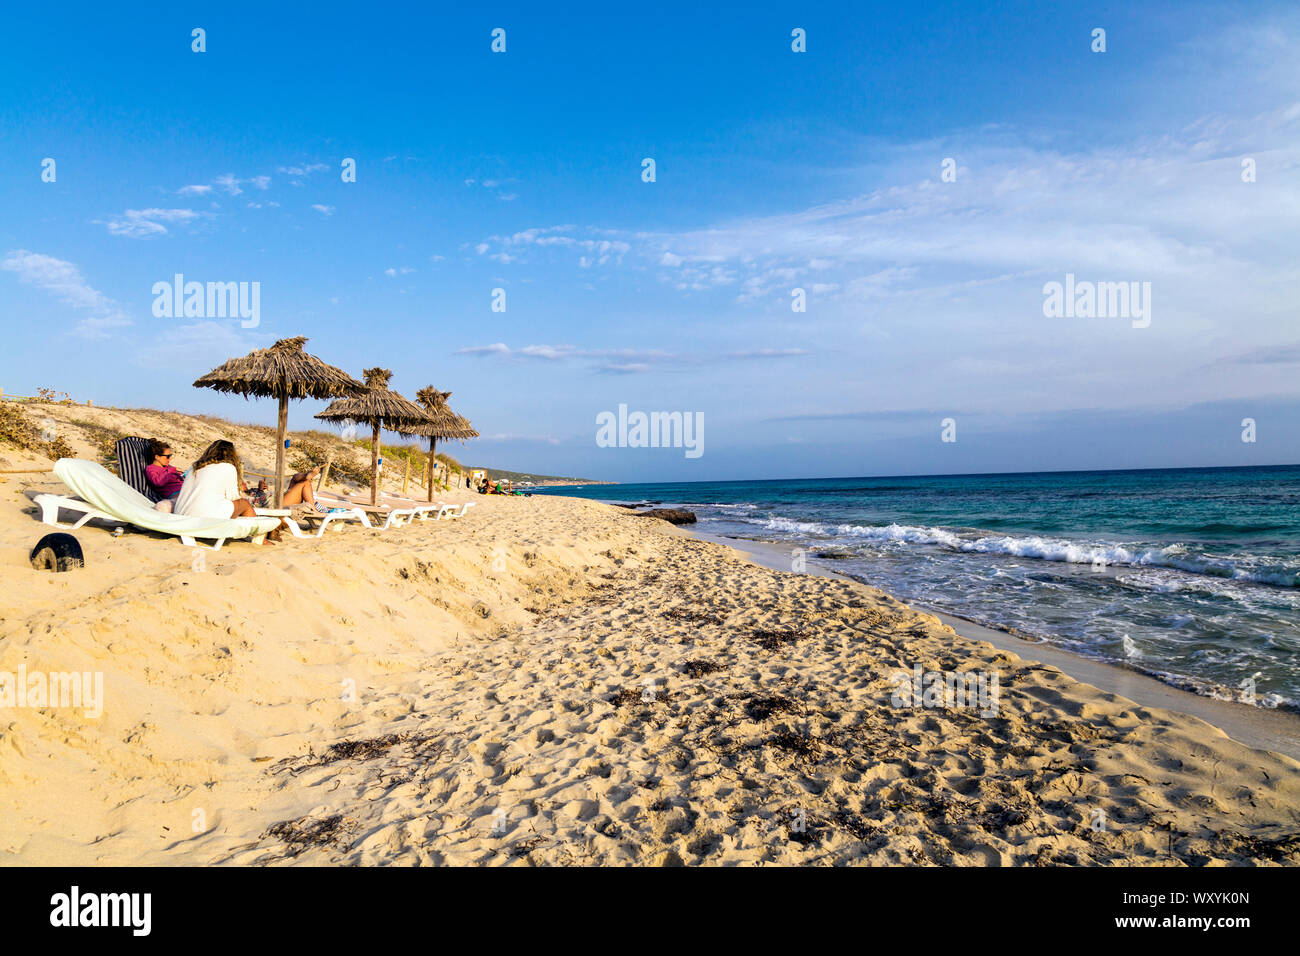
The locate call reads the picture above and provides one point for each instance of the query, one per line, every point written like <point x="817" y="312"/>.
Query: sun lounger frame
<point x="50" y="505"/>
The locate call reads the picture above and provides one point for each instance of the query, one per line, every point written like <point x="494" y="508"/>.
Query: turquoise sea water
<point x="1192" y="575"/>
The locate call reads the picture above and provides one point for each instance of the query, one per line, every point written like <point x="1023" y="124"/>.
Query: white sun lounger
<point x="421" y="510"/>
<point x="393" y="517"/>
<point x="100" y="494"/>
<point x="335" y="513"/>
<point x="449" y="511"/>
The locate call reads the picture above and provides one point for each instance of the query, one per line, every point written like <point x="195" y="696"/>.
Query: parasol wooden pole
<point x="374" y="466"/>
<point x="433" y="442"/>
<point x="281" y="427"/>
<point x="325" y="474"/>
<point x="406" y="476"/>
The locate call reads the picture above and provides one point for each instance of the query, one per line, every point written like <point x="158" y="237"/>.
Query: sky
<point x="774" y="170"/>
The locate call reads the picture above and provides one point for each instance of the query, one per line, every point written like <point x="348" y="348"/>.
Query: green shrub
<point x="16" y="428"/>
<point x="21" y="432"/>
<point x="307" y="453"/>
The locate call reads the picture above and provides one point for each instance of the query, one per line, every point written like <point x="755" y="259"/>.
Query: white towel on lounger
<point x="108" y="493"/>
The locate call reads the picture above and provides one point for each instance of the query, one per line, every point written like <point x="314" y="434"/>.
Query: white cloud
<point x="322" y="209"/>
<point x="402" y="271"/>
<point x="767" y="353"/>
<point x="194" y="190"/>
<point x="623" y="360"/>
<point x="497" y="348"/>
<point x="65" y="281"/>
<point x="148" y="223"/>
<point x="495" y="186"/>
<point x="917" y="260"/>
<point x="597" y="249"/>
<point x="229" y="183"/>
<point x="197" y="344"/>
<point x="305" y="170"/>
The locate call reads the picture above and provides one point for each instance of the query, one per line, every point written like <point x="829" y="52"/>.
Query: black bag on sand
<point x="57" y="552"/>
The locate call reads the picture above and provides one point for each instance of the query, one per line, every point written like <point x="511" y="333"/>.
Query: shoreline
<point x="1277" y="731"/>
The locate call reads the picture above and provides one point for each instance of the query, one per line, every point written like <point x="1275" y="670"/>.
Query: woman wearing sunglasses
<point x="162" y="474"/>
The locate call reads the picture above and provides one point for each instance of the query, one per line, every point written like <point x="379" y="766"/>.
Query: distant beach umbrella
<point x="443" y="423"/>
<point x="282" y="372"/>
<point x="379" y="407"/>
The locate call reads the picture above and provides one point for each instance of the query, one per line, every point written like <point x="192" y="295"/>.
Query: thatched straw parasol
<point x="379" y="407"/>
<point x="283" y="371"/>
<point x="443" y="423"/>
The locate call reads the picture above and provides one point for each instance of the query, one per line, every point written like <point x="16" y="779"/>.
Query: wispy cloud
<point x="65" y="281"/>
<point x="305" y="170"/>
<point x="767" y="353"/>
<point x="594" y="249"/>
<point x="148" y="223"/>
<point x="198" y="344"/>
<point x="623" y="361"/>
<point x="497" y="187"/>
<point x="323" y="209"/>
<point x="231" y="184"/>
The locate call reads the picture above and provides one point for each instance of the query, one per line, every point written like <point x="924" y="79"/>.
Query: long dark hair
<point x="220" y="451"/>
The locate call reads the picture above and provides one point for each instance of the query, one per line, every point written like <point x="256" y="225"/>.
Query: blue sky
<point x="775" y="170"/>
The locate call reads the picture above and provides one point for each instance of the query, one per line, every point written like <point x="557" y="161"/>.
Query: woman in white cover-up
<point x="211" y="490"/>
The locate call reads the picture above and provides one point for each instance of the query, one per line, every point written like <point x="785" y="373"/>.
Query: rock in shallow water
<point x="672" y="515"/>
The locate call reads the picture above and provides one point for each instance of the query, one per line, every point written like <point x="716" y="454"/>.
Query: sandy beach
<point x="555" y="681"/>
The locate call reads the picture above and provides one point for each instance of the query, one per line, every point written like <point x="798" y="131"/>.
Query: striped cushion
<point x="131" y="463"/>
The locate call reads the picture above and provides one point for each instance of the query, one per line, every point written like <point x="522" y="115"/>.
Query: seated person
<point x="298" y="491"/>
<point x="212" y="488"/>
<point x="301" y="489"/>
<point x="165" y="478"/>
<point x="259" y="496"/>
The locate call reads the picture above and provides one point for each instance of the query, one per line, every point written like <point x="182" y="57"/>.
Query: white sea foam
<point x="1174" y="556"/>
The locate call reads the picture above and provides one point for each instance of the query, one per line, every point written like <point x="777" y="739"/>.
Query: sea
<point x="1190" y="575"/>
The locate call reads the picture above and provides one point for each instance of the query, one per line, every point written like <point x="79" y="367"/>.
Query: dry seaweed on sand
<point x="365" y="749"/>
<point x="694" y="617"/>
<point x="699" y="667"/>
<point x="636" y="695"/>
<point x="307" y="833"/>
<point x="771" y="640"/>
<point x="762" y="707"/>
<point x="800" y="826"/>
<point x="525" y="847"/>
<point x="799" y="744"/>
